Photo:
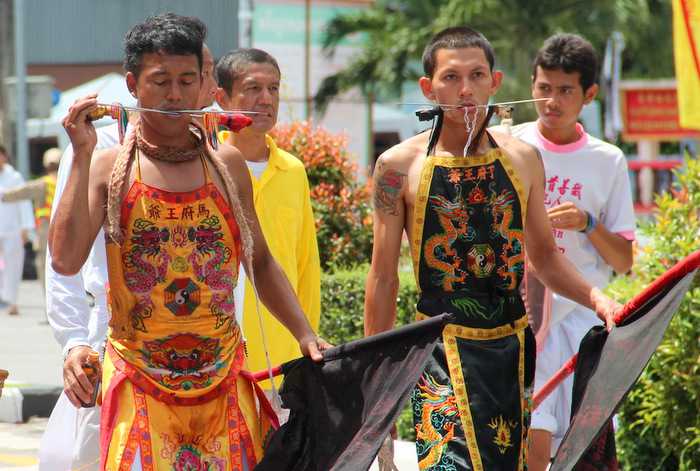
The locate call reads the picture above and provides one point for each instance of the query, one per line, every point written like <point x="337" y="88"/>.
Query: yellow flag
<point x="686" y="50"/>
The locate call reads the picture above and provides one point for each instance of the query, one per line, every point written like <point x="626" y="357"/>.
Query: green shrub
<point x="340" y="202"/>
<point x="343" y="303"/>
<point x="660" y="420"/>
<point x="342" y="308"/>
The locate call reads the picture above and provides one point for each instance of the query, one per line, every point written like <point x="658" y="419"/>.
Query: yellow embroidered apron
<point x="174" y="392"/>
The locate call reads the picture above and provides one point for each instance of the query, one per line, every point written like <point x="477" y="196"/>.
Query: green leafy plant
<point x="343" y="303"/>
<point x="340" y="202"/>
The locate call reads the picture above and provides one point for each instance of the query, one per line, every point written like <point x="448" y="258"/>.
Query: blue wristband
<point x="591" y="223"/>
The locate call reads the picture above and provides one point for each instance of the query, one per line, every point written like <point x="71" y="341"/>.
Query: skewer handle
<point x="93" y="371"/>
<point x="104" y="110"/>
<point x="235" y="122"/>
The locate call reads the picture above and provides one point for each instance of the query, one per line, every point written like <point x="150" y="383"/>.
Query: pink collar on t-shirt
<point x="563" y="148"/>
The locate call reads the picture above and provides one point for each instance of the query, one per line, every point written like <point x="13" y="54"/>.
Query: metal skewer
<point x="197" y="112"/>
<point x="503" y="103"/>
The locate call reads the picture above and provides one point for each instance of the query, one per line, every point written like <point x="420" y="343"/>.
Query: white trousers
<point x="72" y="438"/>
<point x="563" y="339"/>
<point x="11" y="264"/>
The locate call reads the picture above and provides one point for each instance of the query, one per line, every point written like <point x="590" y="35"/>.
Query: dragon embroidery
<point x="145" y="266"/>
<point x="208" y="260"/>
<point x="437" y="405"/>
<point x="439" y="251"/>
<point x="512" y="255"/>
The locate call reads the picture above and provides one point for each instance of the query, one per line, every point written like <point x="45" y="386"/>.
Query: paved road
<point x="19" y="445"/>
<point x="28" y="349"/>
<point x="32" y="356"/>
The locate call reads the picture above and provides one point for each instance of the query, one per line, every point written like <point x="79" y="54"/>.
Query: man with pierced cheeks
<point x="468" y="220"/>
<point x="178" y="217"/>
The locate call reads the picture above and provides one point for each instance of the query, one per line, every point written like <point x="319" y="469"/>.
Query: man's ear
<point x="131" y="83"/>
<point x="426" y="86"/>
<point x="590" y="94"/>
<point x="496" y="80"/>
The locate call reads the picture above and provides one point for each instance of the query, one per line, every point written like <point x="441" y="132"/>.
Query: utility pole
<point x="6" y="59"/>
<point x="22" y="149"/>
<point x="245" y="23"/>
<point x="307" y="60"/>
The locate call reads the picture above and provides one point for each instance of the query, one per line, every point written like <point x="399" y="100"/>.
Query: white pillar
<point x="245" y="23"/>
<point x="648" y="151"/>
<point x="21" y="91"/>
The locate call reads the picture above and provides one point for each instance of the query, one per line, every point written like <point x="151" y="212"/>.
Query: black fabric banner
<point x="343" y="408"/>
<point x="608" y="366"/>
<point x="602" y="454"/>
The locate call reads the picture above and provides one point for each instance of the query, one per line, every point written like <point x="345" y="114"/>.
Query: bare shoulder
<point x="102" y="164"/>
<point x="525" y="157"/>
<point x="106" y="156"/>
<point x="517" y="149"/>
<point x="402" y="156"/>
<point x="233" y="159"/>
<point x="392" y="173"/>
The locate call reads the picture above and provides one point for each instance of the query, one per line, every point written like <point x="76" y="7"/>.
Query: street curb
<point x="39" y="400"/>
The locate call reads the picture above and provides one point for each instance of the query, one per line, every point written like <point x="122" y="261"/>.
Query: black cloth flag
<point x="608" y="366"/>
<point x="342" y="409"/>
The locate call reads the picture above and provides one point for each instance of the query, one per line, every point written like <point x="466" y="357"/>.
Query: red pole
<point x="678" y="271"/>
<point x="568" y="368"/>
<point x="264" y="374"/>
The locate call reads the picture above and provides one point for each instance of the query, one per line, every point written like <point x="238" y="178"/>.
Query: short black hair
<point x="233" y="64"/>
<point x="456" y="37"/>
<point x="165" y="33"/>
<point x="3" y="151"/>
<point x="569" y="53"/>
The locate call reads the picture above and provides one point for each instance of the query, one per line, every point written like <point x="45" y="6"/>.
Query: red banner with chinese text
<point x="651" y="112"/>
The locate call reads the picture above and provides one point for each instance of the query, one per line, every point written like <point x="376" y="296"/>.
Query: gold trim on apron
<point x="426" y="178"/>
<point x="450" y="334"/>
<point x="523" y="404"/>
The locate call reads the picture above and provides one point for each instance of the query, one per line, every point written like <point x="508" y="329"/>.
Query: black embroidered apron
<point x="471" y="407"/>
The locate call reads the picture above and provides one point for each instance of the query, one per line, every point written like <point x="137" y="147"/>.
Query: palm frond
<point x="344" y="25"/>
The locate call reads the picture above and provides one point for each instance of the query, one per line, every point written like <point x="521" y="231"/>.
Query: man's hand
<point x="567" y="216"/>
<point x="312" y="346"/>
<point x="79" y="127"/>
<point x="76" y="384"/>
<point x="605" y="308"/>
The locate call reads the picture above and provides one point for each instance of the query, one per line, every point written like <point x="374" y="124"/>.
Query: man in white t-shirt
<point x="589" y="204"/>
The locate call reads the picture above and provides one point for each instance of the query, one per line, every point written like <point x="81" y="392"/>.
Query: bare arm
<point x="552" y="267"/>
<point x="33" y="190"/>
<point x="615" y="249"/>
<point x="389" y="218"/>
<point x="271" y="284"/>
<point x="80" y="212"/>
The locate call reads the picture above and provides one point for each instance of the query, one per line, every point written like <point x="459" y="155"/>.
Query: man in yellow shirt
<point x="249" y="79"/>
